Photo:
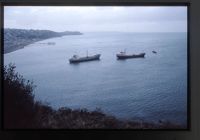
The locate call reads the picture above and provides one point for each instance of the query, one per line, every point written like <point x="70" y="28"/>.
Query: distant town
<point x="15" y="39"/>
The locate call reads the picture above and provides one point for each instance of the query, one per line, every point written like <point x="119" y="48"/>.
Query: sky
<point x="97" y="18"/>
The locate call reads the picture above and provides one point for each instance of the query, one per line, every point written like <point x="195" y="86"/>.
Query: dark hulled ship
<point x="123" y="55"/>
<point x="77" y="59"/>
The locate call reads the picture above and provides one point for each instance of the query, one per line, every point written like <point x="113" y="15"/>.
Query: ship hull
<point x="120" y="56"/>
<point x="85" y="59"/>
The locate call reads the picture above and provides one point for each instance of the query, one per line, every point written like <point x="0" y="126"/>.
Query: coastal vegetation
<point x="15" y="39"/>
<point x="22" y="111"/>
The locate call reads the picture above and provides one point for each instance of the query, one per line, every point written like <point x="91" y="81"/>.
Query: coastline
<point x="22" y="45"/>
<point x="15" y="39"/>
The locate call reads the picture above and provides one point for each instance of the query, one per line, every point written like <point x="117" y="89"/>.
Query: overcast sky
<point x="101" y="18"/>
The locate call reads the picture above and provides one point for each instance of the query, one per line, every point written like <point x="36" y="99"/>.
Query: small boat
<point x="77" y="59"/>
<point x="154" y="52"/>
<point x="123" y="55"/>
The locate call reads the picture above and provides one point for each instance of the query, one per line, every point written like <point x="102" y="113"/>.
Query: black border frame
<point x="187" y="4"/>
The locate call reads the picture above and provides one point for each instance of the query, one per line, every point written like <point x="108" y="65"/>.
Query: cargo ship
<point x="123" y="55"/>
<point x="77" y="59"/>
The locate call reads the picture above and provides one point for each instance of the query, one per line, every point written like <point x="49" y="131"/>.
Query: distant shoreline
<point x="24" y="44"/>
<point x="15" y="39"/>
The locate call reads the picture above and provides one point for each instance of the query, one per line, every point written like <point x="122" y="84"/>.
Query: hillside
<point x="15" y="39"/>
<point x="22" y="111"/>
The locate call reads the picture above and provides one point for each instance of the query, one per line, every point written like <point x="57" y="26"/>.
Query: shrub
<point x="18" y="99"/>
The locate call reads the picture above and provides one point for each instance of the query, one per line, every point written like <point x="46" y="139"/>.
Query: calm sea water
<point x="151" y="88"/>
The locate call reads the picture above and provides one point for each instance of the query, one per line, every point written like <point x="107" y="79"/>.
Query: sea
<point x="149" y="89"/>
